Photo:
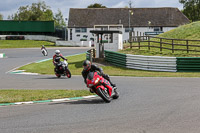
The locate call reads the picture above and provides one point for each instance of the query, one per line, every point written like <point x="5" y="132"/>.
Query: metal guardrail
<point x="90" y="54"/>
<point x="115" y="58"/>
<point x="154" y="63"/>
<point x="188" y="64"/>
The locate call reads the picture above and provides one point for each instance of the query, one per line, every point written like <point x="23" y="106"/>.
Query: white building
<point x="140" y="20"/>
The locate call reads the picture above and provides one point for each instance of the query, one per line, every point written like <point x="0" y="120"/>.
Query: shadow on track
<point x="83" y="101"/>
<point x="52" y="78"/>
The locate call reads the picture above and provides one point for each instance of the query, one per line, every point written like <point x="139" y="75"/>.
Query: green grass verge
<point x="188" y="32"/>
<point x="75" y="66"/>
<point x="11" y="96"/>
<point x="157" y="52"/>
<point x="47" y="67"/>
<point x="24" y="44"/>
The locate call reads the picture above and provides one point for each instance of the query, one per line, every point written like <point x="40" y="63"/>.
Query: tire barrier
<point x="154" y="63"/>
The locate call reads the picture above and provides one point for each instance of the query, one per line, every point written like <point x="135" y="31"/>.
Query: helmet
<point x="86" y="65"/>
<point x="57" y="52"/>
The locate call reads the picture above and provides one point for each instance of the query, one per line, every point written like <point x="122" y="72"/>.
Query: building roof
<point x="88" y="17"/>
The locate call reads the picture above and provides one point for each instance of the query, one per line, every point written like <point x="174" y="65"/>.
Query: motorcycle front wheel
<point x="104" y="95"/>
<point x="68" y="73"/>
<point x="58" y="75"/>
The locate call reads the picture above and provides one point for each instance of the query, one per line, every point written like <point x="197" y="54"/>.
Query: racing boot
<point x="91" y="91"/>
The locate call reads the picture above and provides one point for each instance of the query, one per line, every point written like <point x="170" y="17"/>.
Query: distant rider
<point x="43" y="47"/>
<point x="88" y="67"/>
<point x="56" y="58"/>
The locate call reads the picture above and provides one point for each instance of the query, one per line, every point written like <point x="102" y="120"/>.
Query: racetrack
<point x="146" y="105"/>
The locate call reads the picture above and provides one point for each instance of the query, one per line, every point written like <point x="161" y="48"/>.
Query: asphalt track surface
<point x="146" y="105"/>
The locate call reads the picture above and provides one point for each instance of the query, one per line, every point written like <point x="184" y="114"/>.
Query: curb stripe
<point x="46" y="101"/>
<point x="59" y="100"/>
<point x="2" y="55"/>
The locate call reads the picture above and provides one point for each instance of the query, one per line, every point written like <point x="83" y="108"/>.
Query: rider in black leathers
<point x="88" y="67"/>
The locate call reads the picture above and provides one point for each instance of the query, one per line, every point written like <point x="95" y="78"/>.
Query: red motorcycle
<point x="101" y="86"/>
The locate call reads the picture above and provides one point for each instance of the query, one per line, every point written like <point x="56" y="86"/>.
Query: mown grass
<point x="10" y="96"/>
<point x="187" y="32"/>
<point x="47" y="67"/>
<point x="24" y="44"/>
<point x="75" y="66"/>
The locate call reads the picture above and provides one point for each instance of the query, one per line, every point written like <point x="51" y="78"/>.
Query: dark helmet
<point x="87" y="65"/>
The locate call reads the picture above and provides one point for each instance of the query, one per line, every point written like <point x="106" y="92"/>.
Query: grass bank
<point x="187" y="32"/>
<point x="24" y="44"/>
<point x="11" y="96"/>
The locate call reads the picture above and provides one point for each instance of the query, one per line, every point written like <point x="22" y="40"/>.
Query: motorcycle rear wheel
<point x="104" y="95"/>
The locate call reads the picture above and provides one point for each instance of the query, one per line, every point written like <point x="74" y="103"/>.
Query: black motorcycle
<point x="62" y="69"/>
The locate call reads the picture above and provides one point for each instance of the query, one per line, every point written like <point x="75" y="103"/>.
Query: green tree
<point x="37" y="11"/>
<point x="191" y="8"/>
<point x="58" y="18"/>
<point x="96" y="5"/>
<point x="1" y="17"/>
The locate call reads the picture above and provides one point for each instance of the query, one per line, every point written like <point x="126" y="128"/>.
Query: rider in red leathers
<point x="56" y="58"/>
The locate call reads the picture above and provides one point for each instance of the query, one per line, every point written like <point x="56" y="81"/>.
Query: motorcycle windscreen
<point x="90" y="75"/>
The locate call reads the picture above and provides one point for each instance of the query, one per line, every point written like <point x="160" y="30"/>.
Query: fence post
<point x="138" y="42"/>
<point x="94" y="53"/>
<point x="172" y="46"/>
<point x="91" y="56"/>
<point x="160" y="44"/>
<point x="149" y="42"/>
<point x="143" y="37"/>
<point x="187" y="46"/>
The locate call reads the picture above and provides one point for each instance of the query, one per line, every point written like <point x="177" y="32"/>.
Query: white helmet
<point x="57" y="52"/>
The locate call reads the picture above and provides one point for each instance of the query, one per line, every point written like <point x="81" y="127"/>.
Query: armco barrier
<point x="154" y="63"/>
<point x="115" y="58"/>
<point x="188" y="64"/>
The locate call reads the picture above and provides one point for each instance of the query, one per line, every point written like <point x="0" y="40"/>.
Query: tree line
<point x="191" y="8"/>
<point x="37" y="12"/>
<point x="41" y="12"/>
